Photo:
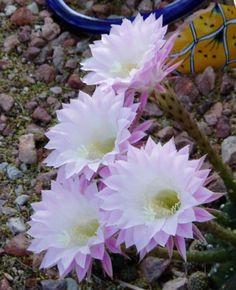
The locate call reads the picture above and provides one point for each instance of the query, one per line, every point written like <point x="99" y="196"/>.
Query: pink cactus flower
<point x="133" y="56"/>
<point x="155" y="195"/>
<point x="68" y="225"/>
<point x="91" y="132"/>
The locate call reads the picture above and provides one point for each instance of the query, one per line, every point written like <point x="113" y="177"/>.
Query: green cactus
<point x="198" y="281"/>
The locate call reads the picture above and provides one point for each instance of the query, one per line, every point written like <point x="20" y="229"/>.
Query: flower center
<point x="164" y="204"/>
<point x="123" y="70"/>
<point x="80" y="234"/>
<point x="97" y="149"/>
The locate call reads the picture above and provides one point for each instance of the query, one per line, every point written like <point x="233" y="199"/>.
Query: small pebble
<point x="16" y="225"/>
<point x="13" y="173"/>
<point x="22" y="199"/>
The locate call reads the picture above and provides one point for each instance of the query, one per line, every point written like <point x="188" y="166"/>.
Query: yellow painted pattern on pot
<point x="208" y="39"/>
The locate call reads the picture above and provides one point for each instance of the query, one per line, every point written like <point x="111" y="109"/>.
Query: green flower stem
<point x="218" y="231"/>
<point x="170" y="104"/>
<point x="211" y="256"/>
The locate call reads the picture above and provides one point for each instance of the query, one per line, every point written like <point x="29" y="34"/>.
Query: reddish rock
<point x="206" y="81"/>
<point x="101" y="9"/>
<point x="27" y="151"/>
<point x="4" y="285"/>
<point x="40" y="114"/>
<point x="152" y="110"/>
<point x="11" y="42"/>
<point x="3" y="64"/>
<point x="153" y="268"/>
<point x="17" y="246"/>
<point x="71" y="63"/>
<point x="40" y="2"/>
<point x="214" y="114"/>
<point x="223" y="127"/>
<point x="37" y="42"/>
<point x="184" y="86"/>
<point x="22" y="16"/>
<point x="21" y="2"/>
<point x="166" y="133"/>
<point x="75" y="82"/>
<point x="46" y="73"/>
<point x="31" y="53"/>
<point x="227" y="85"/>
<point x="183" y="140"/>
<point x="37" y="131"/>
<point x="24" y="34"/>
<point x="50" y="29"/>
<point x="6" y="102"/>
<point x="69" y="42"/>
<point x="31" y="105"/>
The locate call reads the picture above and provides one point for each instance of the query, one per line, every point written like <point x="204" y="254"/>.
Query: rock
<point x="176" y="284"/>
<point x="82" y="46"/>
<point x="33" y="7"/>
<point x="45" y="52"/>
<point x="205" y="128"/>
<point x="10" y="9"/>
<point x="21" y="2"/>
<point x="45" y="178"/>
<point x="101" y="9"/>
<point x="206" y="81"/>
<point x="11" y="42"/>
<point x="152" y="110"/>
<point x="6" y="102"/>
<point x="227" y="85"/>
<point x="16" y="225"/>
<point x="17" y="246"/>
<point x="223" y="127"/>
<point x="204" y="106"/>
<point x="185" y="100"/>
<point x="71" y="63"/>
<point x="40" y="114"/>
<point x="37" y="42"/>
<point x="228" y="150"/>
<point x="154" y="267"/>
<point x="31" y="53"/>
<point x="145" y="6"/>
<point x="24" y="34"/>
<point x="54" y="285"/>
<point x="166" y="133"/>
<point x="46" y="73"/>
<point x="215" y="112"/>
<point x="3" y="64"/>
<point x="3" y="167"/>
<point x="19" y="189"/>
<point x="56" y="90"/>
<point x="4" y="285"/>
<point x="31" y="105"/>
<point x="58" y="58"/>
<point x="37" y="131"/>
<point x="75" y="82"/>
<point x="183" y="140"/>
<point x="40" y="2"/>
<point x="50" y="29"/>
<point x="27" y="151"/>
<point x="61" y="39"/>
<point x="22" y="16"/>
<point x="13" y="173"/>
<point x="22" y="199"/>
<point x="71" y="284"/>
